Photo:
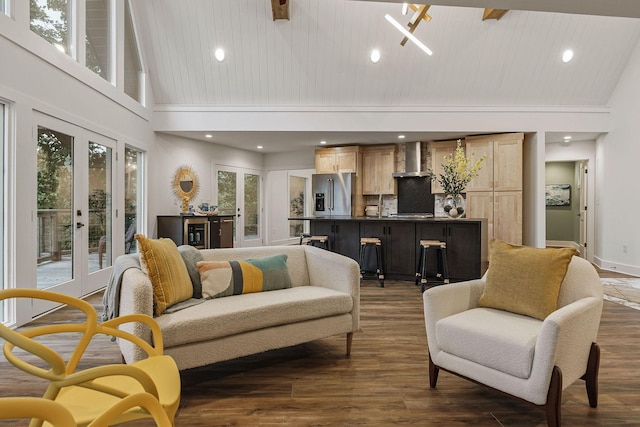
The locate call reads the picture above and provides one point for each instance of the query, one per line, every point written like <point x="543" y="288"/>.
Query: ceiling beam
<point x="280" y="9"/>
<point x="493" y="13"/>
<point x="621" y="8"/>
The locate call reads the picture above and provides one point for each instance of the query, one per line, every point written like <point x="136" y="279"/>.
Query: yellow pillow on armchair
<point x="525" y="280"/>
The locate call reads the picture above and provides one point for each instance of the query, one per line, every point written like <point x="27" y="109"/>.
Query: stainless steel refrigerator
<point x="333" y="193"/>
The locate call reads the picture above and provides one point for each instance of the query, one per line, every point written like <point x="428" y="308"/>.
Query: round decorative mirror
<point x="185" y="186"/>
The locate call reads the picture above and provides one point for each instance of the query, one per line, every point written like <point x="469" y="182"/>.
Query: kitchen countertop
<point x="384" y="218"/>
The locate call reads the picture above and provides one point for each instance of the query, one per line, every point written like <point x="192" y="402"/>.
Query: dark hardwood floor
<point x="384" y="382"/>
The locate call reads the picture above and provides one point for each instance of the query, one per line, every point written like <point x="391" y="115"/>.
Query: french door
<point x="75" y="213"/>
<point x="239" y="194"/>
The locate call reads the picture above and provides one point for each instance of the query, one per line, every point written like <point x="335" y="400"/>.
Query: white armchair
<point x="530" y="359"/>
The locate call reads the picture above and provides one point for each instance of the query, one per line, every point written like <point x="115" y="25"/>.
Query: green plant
<point x="457" y="171"/>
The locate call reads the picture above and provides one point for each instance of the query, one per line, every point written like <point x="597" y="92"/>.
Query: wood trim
<point x="493" y="14"/>
<point x="496" y="137"/>
<point x="280" y="9"/>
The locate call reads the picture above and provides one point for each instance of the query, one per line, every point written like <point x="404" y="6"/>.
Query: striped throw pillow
<point x="225" y="278"/>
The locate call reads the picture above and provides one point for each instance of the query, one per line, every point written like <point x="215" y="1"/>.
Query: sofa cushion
<point x="225" y="278"/>
<point x="496" y="339"/>
<point x="162" y="262"/>
<point x="220" y="317"/>
<point x="525" y="280"/>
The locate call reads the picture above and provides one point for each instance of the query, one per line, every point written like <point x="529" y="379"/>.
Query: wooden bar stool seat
<point x="371" y="242"/>
<point x="442" y="272"/>
<point x="319" y="241"/>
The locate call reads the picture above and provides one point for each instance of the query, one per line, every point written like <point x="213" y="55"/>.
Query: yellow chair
<point x="57" y="415"/>
<point x="90" y="393"/>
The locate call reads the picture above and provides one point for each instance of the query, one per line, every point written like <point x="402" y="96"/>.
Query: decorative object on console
<point x="185" y="186"/>
<point x="457" y="171"/>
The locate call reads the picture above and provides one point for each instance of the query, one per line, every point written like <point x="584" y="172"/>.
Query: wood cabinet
<point x="176" y="228"/>
<point x="378" y="165"/>
<point x="439" y="150"/>
<point x="397" y="245"/>
<point x="496" y="193"/>
<point x="343" y="236"/>
<point x="466" y="247"/>
<point x="337" y="159"/>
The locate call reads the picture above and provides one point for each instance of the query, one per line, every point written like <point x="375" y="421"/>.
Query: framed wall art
<point x="558" y="194"/>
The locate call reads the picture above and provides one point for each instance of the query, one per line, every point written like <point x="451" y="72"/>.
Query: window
<point x="133" y="85"/>
<point x="3" y="314"/>
<point x="98" y="37"/>
<point x="297" y="186"/>
<point x="132" y="197"/>
<point x="3" y="6"/>
<point x="51" y="20"/>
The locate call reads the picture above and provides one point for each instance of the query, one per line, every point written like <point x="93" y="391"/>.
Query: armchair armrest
<point x="334" y="271"/>
<point x="571" y="330"/>
<point x="442" y="301"/>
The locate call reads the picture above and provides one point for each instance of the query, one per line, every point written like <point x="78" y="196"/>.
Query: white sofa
<point x="324" y="300"/>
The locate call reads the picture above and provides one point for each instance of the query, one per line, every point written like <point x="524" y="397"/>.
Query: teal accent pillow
<point x="225" y="278"/>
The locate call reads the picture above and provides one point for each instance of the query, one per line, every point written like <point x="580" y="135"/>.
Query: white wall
<point x="617" y="168"/>
<point x="30" y="84"/>
<point x="204" y="158"/>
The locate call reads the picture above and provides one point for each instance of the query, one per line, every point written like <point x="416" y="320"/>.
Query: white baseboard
<point x="617" y="267"/>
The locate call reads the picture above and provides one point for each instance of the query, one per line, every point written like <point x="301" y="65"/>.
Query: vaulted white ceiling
<point x="320" y="57"/>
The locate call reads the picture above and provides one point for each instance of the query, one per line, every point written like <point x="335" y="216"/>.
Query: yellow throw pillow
<point x="162" y="262"/>
<point x="525" y="280"/>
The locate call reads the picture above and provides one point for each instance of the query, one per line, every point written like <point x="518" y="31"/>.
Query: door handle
<point x="79" y="225"/>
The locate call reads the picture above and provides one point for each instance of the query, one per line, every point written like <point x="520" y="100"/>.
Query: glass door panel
<point x="99" y="200"/>
<point x="55" y="208"/>
<point x="239" y="194"/>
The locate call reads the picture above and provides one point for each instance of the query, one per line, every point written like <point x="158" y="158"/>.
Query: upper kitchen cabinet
<point x="439" y="150"/>
<point x="502" y="169"/>
<point x="337" y="159"/>
<point x="378" y="165"/>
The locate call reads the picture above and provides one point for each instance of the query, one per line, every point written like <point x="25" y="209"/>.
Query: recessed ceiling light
<point x="400" y="136"/>
<point x="567" y="55"/>
<point x="375" y="56"/>
<point x="219" y="54"/>
<point x="259" y="147"/>
<point x="208" y="135"/>
<point x="323" y="142"/>
<point x="566" y="137"/>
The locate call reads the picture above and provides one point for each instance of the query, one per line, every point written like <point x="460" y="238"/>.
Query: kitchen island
<point x="466" y="238"/>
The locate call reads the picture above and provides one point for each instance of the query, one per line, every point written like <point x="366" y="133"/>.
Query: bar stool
<point x="371" y="242"/>
<point x="442" y="272"/>
<point x="318" y="241"/>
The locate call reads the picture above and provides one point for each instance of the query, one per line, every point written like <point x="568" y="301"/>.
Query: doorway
<point x="75" y="214"/>
<point x="566" y="200"/>
<point x="239" y="194"/>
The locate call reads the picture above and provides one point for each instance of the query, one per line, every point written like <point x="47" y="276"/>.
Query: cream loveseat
<point x="324" y="300"/>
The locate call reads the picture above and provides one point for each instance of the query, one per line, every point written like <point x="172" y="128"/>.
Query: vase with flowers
<point x="457" y="171"/>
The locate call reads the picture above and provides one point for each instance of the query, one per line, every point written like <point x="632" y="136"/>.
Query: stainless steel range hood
<point x="413" y="165"/>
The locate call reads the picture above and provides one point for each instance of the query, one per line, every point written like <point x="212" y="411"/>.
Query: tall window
<point x="133" y="85"/>
<point x="297" y="185"/>
<point x="132" y="197"/>
<point x="3" y="6"/>
<point x="51" y="20"/>
<point x="98" y="39"/>
<point x="3" y="314"/>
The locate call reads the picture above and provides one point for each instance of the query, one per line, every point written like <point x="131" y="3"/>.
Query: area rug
<point x="622" y="291"/>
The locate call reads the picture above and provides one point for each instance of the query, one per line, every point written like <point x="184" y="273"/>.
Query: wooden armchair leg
<point x="433" y="373"/>
<point x="349" y="341"/>
<point x="591" y="376"/>
<point x="554" y="398"/>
